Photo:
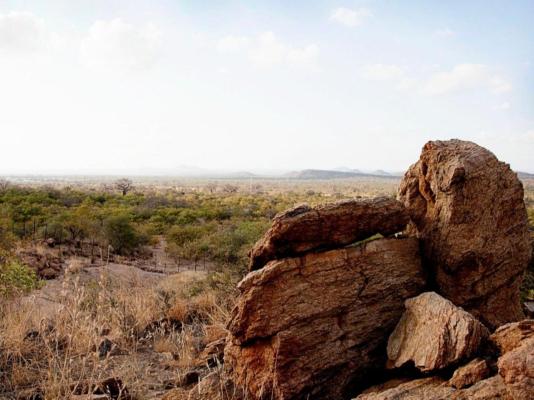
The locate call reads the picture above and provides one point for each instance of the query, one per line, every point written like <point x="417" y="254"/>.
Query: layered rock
<point x="476" y="370"/>
<point x="314" y="326"/>
<point x="467" y="207"/>
<point x="510" y="336"/>
<point x="517" y="370"/>
<point x="435" y="388"/>
<point x="304" y="228"/>
<point x="434" y="334"/>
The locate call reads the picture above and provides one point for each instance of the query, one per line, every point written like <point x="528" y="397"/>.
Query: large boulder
<point x="304" y="228"/>
<point x="315" y="326"/>
<point x="434" y="334"/>
<point x="467" y="207"/>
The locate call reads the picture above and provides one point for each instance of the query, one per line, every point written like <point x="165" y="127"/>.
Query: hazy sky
<point x="103" y="85"/>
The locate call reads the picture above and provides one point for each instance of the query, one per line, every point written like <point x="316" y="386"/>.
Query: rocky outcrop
<point x="510" y="336"/>
<point x="434" y="334"/>
<point x="467" y="207"/>
<point x="517" y="370"/>
<point x="315" y="326"/>
<point x="304" y="228"/>
<point x="46" y="265"/>
<point x="316" y="310"/>
<point x="473" y="372"/>
<point x="435" y="388"/>
<point x="432" y="388"/>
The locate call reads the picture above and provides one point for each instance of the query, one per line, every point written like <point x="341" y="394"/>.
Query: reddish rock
<point x="476" y="370"/>
<point x="304" y="228"/>
<point x="435" y="388"/>
<point x="517" y="370"/>
<point x="467" y="207"/>
<point x="510" y="336"/>
<point x="432" y="388"/>
<point x="313" y="326"/>
<point x="212" y="355"/>
<point x="434" y="334"/>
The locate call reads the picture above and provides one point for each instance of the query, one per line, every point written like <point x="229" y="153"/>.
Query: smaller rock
<point x="510" y="336"/>
<point x="106" y="347"/>
<point x="488" y="389"/>
<point x="435" y="388"/>
<point x="213" y="354"/>
<point x="164" y="326"/>
<point x="190" y="378"/>
<point x="469" y="374"/>
<point x="517" y="370"/>
<point x="114" y="388"/>
<point x="418" y="389"/>
<point x="434" y="334"/>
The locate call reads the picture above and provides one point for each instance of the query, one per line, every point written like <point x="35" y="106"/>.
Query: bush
<point x="121" y="235"/>
<point x="17" y="278"/>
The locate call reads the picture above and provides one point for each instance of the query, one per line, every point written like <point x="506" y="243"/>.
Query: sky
<point x="100" y="86"/>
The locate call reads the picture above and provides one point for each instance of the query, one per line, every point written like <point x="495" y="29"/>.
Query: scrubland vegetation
<point x="94" y="328"/>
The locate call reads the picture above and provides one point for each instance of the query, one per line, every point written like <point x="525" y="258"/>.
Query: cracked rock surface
<point x="471" y="373"/>
<point x="467" y="207"/>
<point x="435" y="388"/>
<point x="512" y="335"/>
<point x="516" y="367"/>
<point x="434" y="334"/>
<point x="304" y="228"/>
<point x="314" y="326"/>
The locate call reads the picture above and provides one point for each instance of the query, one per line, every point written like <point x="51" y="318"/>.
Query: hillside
<point x="334" y="174"/>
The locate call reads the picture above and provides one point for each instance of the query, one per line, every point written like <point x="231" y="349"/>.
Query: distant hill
<point x="525" y="175"/>
<point x="333" y="174"/>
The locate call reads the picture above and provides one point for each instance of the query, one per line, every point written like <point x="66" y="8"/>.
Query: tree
<point x="228" y="188"/>
<point x="125" y="185"/>
<point x="120" y="234"/>
<point x="4" y="185"/>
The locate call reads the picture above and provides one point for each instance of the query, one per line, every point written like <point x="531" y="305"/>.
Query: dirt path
<point x="46" y="301"/>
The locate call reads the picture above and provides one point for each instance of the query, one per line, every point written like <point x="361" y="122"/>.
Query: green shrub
<point x="121" y="235"/>
<point x="16" y="277"/>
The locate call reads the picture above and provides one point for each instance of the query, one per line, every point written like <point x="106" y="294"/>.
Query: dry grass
<point x="58" y="356"/>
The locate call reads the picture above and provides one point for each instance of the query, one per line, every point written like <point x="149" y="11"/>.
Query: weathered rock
<point x="468" y="210"/>
<point x="488" y="389"/>
<point x="46" y="265"/>
<point x="517" y="370"/>
<point x="434" y="334"/>
<point x="510" y="336"/>
<point x="214" y="386"/>
<point x="313" y="326"/>
<point x="435" y="388"/>
<point x="212" y="355"/>
<point x="304" y="228"/>
<point x="432" y="388"/>
<point x="469" y="374"/>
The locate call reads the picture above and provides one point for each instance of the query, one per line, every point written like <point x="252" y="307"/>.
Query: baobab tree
<point x="125" y="185"/>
